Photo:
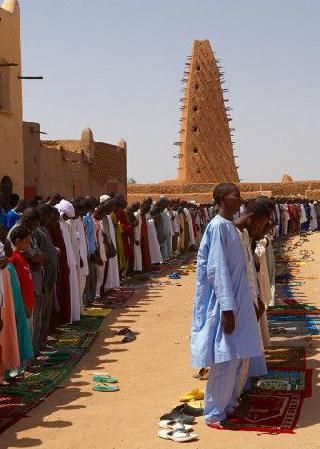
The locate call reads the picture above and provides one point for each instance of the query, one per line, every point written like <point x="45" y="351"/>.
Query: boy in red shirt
<point x="20" y="237"/>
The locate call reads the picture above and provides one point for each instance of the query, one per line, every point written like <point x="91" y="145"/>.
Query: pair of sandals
<point x="174" y="275"/>
<point x="103" y="381"/>
<point x="182" y="413"/>
<point x="177" y="426"/>
<point x="129" y="336"/>
<point x="178" y="432"/>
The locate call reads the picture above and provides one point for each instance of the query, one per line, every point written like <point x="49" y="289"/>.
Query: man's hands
<point x="228" y="322"/>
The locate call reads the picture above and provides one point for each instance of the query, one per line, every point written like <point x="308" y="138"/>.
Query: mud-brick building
<point x="30" y="166"/>
<point x="72" y="167"/>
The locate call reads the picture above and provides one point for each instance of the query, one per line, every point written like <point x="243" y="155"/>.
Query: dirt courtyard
<point x="153" y="372"/>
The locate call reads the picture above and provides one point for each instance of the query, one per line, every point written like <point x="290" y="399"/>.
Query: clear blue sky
<point x="116" y="65"/>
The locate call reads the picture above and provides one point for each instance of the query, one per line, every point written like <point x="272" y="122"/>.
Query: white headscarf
<point x="65" y="207"/>
<point x="104" y="198"/>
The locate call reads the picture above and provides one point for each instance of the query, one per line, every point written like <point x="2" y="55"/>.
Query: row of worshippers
<point x="163" y="229"/>
<point x="292" y="216"/>
<point x="233" y="290"/>
<point x="58" y="256"/>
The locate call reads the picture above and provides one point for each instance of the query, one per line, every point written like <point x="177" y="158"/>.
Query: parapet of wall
<point x="288" y="188"/>
<point x="63" y="166"/>
<point x="201" y="198"/>
<point x="202" y="193"/>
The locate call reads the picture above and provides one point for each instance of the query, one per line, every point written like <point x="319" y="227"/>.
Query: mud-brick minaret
<point x="206" y="153"/>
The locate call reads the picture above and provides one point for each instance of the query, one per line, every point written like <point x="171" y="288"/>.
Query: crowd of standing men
<point x="58" y="256"/>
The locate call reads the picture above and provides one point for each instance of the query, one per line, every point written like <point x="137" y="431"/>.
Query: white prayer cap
<point x="104" y="198"/>
<point x="65" y="207"/>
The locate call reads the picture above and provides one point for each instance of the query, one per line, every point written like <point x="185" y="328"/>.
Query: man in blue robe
<point x="224" y="329"/>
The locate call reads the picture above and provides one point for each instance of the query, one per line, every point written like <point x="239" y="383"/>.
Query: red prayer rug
<point x="270" y="412"/>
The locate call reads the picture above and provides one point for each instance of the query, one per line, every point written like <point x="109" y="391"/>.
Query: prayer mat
<point x="96" y="311"/>
<point x="290" y="284"/>
<point x="284" y="380"/>
<point x="270" y="412"/>
<point x="286" y="357"/>
<point x="66" y="347"/>
<point x="63" y="358"/>
<point x="294" y="308"/>
<point x="294" y="325"/>
<point x="37" y="385"/>
<point x="116" y="296"/>
<point x="12" y="406"/>
<point x="75" y="340"/>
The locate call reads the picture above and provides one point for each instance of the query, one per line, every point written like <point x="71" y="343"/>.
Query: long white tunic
<point x="303" y="215"/>
<point x="265" y="289"/>
<point x="190" y="224"/>
<point x="82" y="244"/>
<point x="73" y="274"/>
<point x="113" y="278"/>
<point x="154" y="247"/>
<point x="313" y="218"/>
<point x="167" y="246"/>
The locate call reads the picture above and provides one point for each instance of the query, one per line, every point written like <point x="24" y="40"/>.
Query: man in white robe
<point x="66" y="210"/>
<point x="154" y="246"/>
<point x="137" y="264"/>
<point x="313" y="217"/>
<point x="167" y="245"/>
<point x="190" y="224"/>
<point x="79" y="244"/>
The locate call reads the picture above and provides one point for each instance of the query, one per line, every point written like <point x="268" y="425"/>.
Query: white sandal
<point x="179" y="435"/>
<point x="173" y="425"/>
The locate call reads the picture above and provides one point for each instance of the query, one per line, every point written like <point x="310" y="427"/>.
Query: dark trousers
<point x="91" y="284"/>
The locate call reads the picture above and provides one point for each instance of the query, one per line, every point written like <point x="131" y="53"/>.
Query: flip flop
<point x="178" y="415"/>
<point x="193" y="408"/>
<point x="105" y="388"/>
<point x="104" y="378"/>
<point x="173" y="425"/>
<point x="195" y="395"/>
<point x="124" y="331"/>
<point x="129" y="338"/>
<point x="179" y="435"/>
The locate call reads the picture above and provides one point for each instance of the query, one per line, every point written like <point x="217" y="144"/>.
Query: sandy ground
<point x="153" y="371"/>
